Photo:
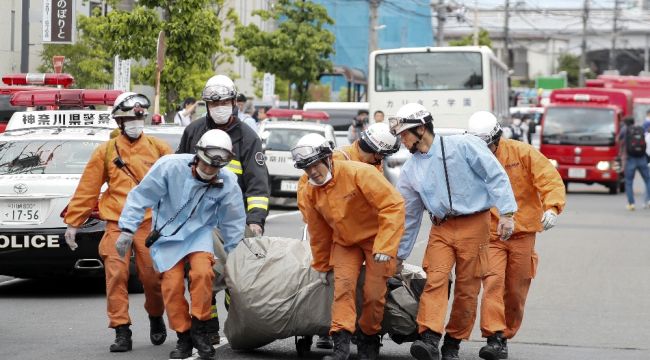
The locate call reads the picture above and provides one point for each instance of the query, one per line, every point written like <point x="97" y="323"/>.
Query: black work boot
<point x="504" y="349"/>
<point x="183" y="346"/>
<point x="324" y="342"/>
<point x="212" y="326"/>
<point x="157" y="330"/>
<point x="123" y="340"/>
<point x="426" y="348"/>
<point x="367" y="346"/>
<point x="450" y="347"/>
<point x="201" y="339"/>
<point x="341" y="346"/>
<point x="494" y="348"/>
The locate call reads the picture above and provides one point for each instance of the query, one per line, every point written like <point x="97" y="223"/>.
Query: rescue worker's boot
<point x="450" y="347"/>
<point x="213" y="326"/>
<point x="367" y="346"/>
<point x="324" y="342"/>
<point x="201" y="339"/>
<point x="426" y="348"/>
<point x="494" y="350"/>
<point x="341" y="346"/>
<point x="183" y="346"/>
<point x="157" y="330"/>
<point x="123" y="340"/>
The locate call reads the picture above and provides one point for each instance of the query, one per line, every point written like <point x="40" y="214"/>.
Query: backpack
<point x="635" y="141"/>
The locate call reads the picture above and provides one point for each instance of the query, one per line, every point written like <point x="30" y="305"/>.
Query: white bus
<point x="452" y="82"/>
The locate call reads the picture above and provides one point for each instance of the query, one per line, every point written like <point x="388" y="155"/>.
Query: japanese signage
<point x="121" y="74"/>
<point x="58" y="21"/>
<point x="61" y="118"/>
<point x="448" y="102"/>
<point x="268" y="88"/>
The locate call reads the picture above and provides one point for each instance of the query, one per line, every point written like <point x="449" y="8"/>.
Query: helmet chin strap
<point x="215" y="180"/>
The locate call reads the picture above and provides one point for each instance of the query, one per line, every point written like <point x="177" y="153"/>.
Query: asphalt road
<point x="589" y="300"/>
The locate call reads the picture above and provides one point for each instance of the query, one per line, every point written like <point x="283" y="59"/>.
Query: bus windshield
<point x="579" y="126"/>
<point x="428" y="71"/>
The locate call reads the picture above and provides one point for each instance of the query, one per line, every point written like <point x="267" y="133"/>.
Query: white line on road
<point x="290" y="213"/>
<point x="9" y="282"/>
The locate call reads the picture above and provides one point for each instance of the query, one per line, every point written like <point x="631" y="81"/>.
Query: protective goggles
<point x="304" y="156"/>
<point x="136" y="102"/>
<point x="214" y="156"/>
<point x="217" y="93"/>
<point x="398" y="124"/>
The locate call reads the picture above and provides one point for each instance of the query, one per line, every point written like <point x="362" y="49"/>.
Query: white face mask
<point x="205" y="176"/>
<point x="328" y="177"/>
<point x="516" y="122"/>
<point x="221" y="114"/>
<point x="133" y="128"/>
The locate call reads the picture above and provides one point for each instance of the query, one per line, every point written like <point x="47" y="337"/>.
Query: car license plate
<point x="577" y="173"/>
<point x="288" y="185"/>
<point x="22" y="211"/>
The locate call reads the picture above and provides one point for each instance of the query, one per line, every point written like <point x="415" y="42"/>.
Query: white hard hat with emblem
<point x="379" y="138"/>
<point x="485" y="125"/>
<point x="309" y="149"/>
<point x="219" y="87"/>
<point x="409" y="116"/>
<point x="130" y="104"/>
<point x="215" y="148"/>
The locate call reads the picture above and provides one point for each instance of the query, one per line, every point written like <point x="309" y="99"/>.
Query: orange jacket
<point x="351" y="152"/>
<point x="358" y="206"/>
<point x="535" y="182"/>
<point x="139" y="157"/>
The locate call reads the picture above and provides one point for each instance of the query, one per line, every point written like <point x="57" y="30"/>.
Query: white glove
<point x="380" y="258"/>
<point x="506" y="226"/>
<point x="123" y="243"/>
<point x="549" y="219"/>
<point x="322" y="276"/>
<point x="70" y="235"/>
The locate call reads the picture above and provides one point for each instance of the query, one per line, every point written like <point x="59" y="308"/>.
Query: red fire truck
<point x="638" y="85"/>
<point x="580" y="134"/>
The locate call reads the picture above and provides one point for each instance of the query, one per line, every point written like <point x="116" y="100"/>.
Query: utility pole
<point x="583" y="46"/>
<point x="441" y="15"/>
<point x="612" y="51"/>
<point x="374" y="9"/>
<point x="24" y="40"/>
<point x="506" y="36"/>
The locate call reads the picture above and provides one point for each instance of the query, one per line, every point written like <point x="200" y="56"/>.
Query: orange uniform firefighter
<point x="540" y="196"/>
<point x="353" y="215"/>
<point x="122" y="163"/>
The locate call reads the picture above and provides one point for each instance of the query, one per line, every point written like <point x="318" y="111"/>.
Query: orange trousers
<point x="513" y="265"/>
<point x="347" y="262"/>
<point x="462" y="241"/>
<point x="116" y="269"/>
<point x="200" y="277"/>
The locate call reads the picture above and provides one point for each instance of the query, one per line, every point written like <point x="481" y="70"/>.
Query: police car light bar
<point x="297" y="114"/>
<point x="64" y="80"/>
<point x="64" y="97"/>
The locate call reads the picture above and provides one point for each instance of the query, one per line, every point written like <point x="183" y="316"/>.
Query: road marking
<point x="9" y="282"/>
<point x="290" y="213"/>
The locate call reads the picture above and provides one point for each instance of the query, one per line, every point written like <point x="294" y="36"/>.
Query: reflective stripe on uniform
<point x="261" y="202"/>
<point x="235" y="167"/>
<point x="213" y="312"/>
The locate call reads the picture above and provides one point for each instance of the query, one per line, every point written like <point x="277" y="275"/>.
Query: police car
<point x="279" y="136"/>
<point x="171" y="134"/>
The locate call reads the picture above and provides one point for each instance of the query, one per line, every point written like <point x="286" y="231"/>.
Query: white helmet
<point x="485" y="125"/>
<point x="409" y="116"/>
<point x="309" y="149"/>
<point x="378" y="139"/>
<point x="219" y="87"/>
<point x="215" y="148"/>
<point x="130" y="104"/>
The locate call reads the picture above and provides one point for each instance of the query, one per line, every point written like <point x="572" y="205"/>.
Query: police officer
<point x="248" y="163"/>
<point x="122" y="163"/>
<point x="457" y="180"/>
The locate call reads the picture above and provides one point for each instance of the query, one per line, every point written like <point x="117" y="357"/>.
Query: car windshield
<point x="428" y="71"/>
<point x="579" y="126"/>
<point x="284" y="139"/>
<point x="45" y="156"/>
<point x="172" y="139"/>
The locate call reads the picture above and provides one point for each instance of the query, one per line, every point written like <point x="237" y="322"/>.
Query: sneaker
<point x="630" y="207"/>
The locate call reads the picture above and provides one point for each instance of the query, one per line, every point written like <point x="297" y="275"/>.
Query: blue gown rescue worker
<point x="190" y="195"/>
<point x="121" y="163"/>
<point x="540" y="196"/>
<point x="353" y="215"/>
<point x="248" y="162"/>
<point x="457" y="180"/>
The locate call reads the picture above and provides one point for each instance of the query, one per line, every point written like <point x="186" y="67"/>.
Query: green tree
<point x="297" y="51"/>
<point x="194" y="43"/>
<point x="571" y="64"/>
<point x="483" y="39"/>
